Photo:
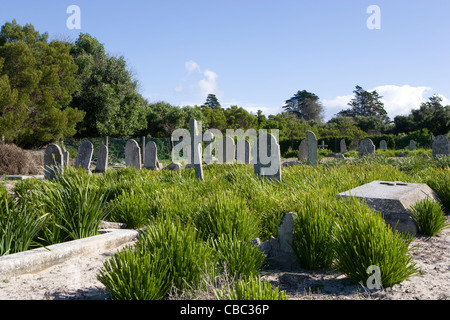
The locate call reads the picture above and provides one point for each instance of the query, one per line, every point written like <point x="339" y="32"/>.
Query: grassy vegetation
<point x="196" y="230"/>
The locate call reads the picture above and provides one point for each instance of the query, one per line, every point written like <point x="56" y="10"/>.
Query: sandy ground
<point x="76" y="279"/>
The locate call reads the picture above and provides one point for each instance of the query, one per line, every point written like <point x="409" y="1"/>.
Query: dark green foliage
<point x="429" y="217"/>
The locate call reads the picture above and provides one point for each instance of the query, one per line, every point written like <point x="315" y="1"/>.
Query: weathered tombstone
<point x="366" y="147"/>
<point x="174" y="166"/>
<point x="312" y="148"/>
<point x="65" y="154"/>
<point x="84" y="156"/>
<point x="209" y="140"/>
<point x="441" y="146"/>
<point x="323" y="145"/>
<point x="343" y="146"/>
<point x="102" y="159"/>
<point x="303" y="151"/>
<point x="393" y="200"/>
<point x="196" y="148"/>
<point x="151" y="157"/>
<point x="383" y="145"/>
<point x="226" y="150"/>
<point x="133" y="155"/>
<point x="53" y="161"/>
<point x="268" y="157"/>
<point x="243" y="151"/>
<point x="412" y="145"/>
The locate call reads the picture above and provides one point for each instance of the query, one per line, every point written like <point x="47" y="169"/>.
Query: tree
<point x="433" y="116"/>
<point x="107" y="92"/>
<point x="37" y="80"/>
<point x="215" y="118"/>
<point x="366" y="104"/>
<point x="239" y="118"/>
<point x="211" y="102"/>
<point x="304" y="105"/>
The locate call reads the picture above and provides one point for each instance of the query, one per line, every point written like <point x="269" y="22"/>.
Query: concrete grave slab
<point x="393" y="199"/>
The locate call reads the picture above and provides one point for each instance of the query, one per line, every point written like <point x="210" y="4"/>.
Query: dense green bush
<point x="429" y="217"/>
<point x="362" y="239"/>
<point x="251" y="289"/>
<point x="239" y="259"/>
<point x="312" y="241"/>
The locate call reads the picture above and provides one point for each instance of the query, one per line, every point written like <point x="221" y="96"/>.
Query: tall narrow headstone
<point x="226" y="150"/>
<point x="243" y="151"/>
<point x="196" y="148"/>
<point x="53" y="161"/>
<point x="211" y="144"/>
<point x="268" y="157"/>
<point x="303" y="151"/>
<point x="65" y="154"/>
<point x="151" y="157"/>
<point x="366" y="147"/>
<point x="343" y="146"/>
<point x="412" y="145"/>
<point x="133" y="154"/>
<point x="383" y="145"/>
<point x="312" y="148"/>
<point x="84" y="156"/>
<point x="102" y="159"/>
<point x="441" y="146"/>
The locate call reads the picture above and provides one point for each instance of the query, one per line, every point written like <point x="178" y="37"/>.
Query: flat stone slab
<point x="35" y="260"/>
<point x="393" y="199"/>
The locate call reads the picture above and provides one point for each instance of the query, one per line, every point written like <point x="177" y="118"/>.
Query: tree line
<point x="52" y="90"/>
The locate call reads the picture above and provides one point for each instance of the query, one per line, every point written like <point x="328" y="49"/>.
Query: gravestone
<point x="84" y="156"/>
<point x="312" y="148"/>
<point x="226" y="150"/>
<point x="196" y="148"/>
<point x="268" y="157"/>
<point x="102" y="159"/>
<point x="441" y="146"/>
<point x="383" y="145"/>
<point x="303" y="151"/>
<point x="366" y="147"/>
<point x="65" y="154"/>
<point x="323" y="145"/>
<point x="53" y="161"/>
<point x="151" y="157"/>
<point x="412" y="145"/>
<point x="174" y="166"/>
<point x="392" y="200"/>
<point x="343" y="146"/>
<point x="209" y="140"/>
<point x="133" y="155"/>
<point x="243" y="151"/>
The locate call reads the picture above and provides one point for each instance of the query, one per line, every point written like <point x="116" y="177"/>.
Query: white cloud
<point x="209" y="84"/>
<point x="398" y="100"/>
<point x="192" y="66"/>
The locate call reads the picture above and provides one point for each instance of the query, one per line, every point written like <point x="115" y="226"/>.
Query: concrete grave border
<point x="36" y="260"/>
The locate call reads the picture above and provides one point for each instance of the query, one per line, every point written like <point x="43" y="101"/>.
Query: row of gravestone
<point x="440" y="146"/>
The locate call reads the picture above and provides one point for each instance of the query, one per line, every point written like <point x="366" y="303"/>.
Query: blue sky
<point x="257" y="54"/>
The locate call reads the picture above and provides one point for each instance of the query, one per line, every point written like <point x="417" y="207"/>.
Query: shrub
<point x="75" y="207"/>
<point x="133" y="275"/>
<point x="312" y="234"/>
<point x="429" y="217"/>
<point x="187" y="256"/>
<point x="239" y="259"/>
<point x="14" y="160"/>
<point x="362" y="239"/>
<point x="439" y="181"/>
<point x="18" y="225"/>
<point x="251" y="289"/>
<point x="225" y="213"/>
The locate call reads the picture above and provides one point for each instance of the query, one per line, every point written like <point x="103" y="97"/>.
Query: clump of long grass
<point x="251" y="289"/>
<point x="429" y="217"/>
<point x="225" y="213"/>
<point x="19" y="224"/>
<point x="362" y="239"/>
<point x="312" y="239"/>
<point x="75" y="207"/>
<point x="237" y="258"/>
